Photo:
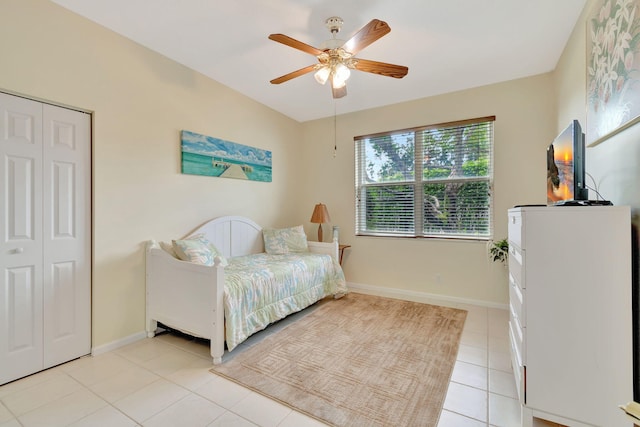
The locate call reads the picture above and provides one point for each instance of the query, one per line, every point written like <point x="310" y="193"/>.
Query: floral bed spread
<point x="261" y="289"/>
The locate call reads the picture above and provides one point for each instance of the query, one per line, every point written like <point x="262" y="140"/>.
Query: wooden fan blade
<point x="382" y="68"/>
<point x="367" y="35"/>
<point x="293" y="74"/>
<point x="286" y="40"/>
<point x="340" y="92"/>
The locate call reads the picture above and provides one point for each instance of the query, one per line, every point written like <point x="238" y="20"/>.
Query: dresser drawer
<point x="516" y="301"/>
<point x="515" y="228"/>
<point x="516" y="265"/>
<point x="518" y="371"/>
<point x="517" y="339"/>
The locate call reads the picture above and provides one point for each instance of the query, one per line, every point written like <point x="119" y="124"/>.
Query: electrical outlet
<point x="438" y="279"/>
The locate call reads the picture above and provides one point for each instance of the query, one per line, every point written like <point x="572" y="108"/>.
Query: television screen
<point x="565" y="166"/>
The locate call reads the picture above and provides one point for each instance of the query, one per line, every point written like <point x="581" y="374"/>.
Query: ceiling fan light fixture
<point x="341" y="72"/>
<point x="337" y="83"/>
<point x="322" y="75"/>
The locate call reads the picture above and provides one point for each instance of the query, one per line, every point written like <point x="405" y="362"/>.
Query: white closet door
<point x="45" y="236"/>
<point x="21" y="243"/>
<point x="66" y="234"/>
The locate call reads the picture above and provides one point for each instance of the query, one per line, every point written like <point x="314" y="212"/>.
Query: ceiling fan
<point x="336" y="58"/>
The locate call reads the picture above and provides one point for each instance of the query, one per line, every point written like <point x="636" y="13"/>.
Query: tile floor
<point x="165" y="381"/>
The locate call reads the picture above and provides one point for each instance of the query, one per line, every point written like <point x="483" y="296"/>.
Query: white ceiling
<point x="448" y="45"/>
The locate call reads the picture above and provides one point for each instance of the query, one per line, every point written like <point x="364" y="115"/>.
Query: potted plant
<point x="499" y="250"/>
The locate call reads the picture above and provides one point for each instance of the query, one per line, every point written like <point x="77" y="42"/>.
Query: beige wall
<point x="140" y="102"/>
<point x="525" y="122"/>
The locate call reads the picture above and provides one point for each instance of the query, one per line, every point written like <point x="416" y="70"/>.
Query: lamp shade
<point x="342" y="72"/>
<point x="322" y="75"/>
<point x="320" y="214"/>
<point x="336" y="83"/>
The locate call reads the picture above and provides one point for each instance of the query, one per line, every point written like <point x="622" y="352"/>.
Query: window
<point x="432" y="181"/>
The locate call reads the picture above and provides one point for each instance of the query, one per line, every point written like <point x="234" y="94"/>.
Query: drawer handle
<point x="17" y="251"/>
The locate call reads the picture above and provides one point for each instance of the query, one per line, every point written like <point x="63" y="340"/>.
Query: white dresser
<point x="570" y="324"/>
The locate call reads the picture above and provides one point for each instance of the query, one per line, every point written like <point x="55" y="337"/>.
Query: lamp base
<point x="320" y="233"/>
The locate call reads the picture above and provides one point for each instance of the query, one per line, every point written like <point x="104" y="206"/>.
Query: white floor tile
<point x="500" y="361"/>
<point x="64" y="411"/>
<point x="503" y="411"/>
<point x="476" y="320"/>
<point x="499" y="344"/>
<point x="222" y="391"/>
<point x="40" y="394"/>
<point x="194" y="375"/>
<point x="471" y="375"/>
<point x="5" y="415"/>
<point x="124" y="384"/>
<point x="105" y="417"/>
<point x="474" y="339"/>
<point x="261" y="410"/>
<point x="475" y="355"/>
<point x="498" y="322"/>
<point x="451" y="419"/>
<point x="90" y="370"/>
<point x="31" y="381"/>
<point x="229" y="419"/>
<point x="192" y="411"/>
<point x="143" y="350"/>
<point x="502" y="383"/>
<point x="11" y="423"/>
<point x="171" y="361"/>
<point x="476" y="327"/>
<point x="150" y="400"/>
<point x="468" y="401"/>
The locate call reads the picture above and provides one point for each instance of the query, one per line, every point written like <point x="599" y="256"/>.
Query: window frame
<point x="418" y="183"/>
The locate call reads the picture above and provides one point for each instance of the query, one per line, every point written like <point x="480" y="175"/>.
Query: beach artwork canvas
<point x="206" y="155"/>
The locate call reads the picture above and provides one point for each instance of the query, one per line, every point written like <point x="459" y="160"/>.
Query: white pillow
<point x="168" y="247"/>
<point x="198" y="249"/>
<point x="285" y="240"/>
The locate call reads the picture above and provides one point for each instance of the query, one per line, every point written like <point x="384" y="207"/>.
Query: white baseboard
<point x="118" y="343"/>
<point x="422" y="297"/>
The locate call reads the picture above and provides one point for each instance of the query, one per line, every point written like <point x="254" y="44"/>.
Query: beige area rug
<point x="357" y="361"/>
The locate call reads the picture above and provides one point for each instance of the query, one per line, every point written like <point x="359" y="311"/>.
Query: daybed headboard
<point x="233" y="235"/>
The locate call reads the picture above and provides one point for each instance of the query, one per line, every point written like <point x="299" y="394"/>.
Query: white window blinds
<point x="432" y="181"/>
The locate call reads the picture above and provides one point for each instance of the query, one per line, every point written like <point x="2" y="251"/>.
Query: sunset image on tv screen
<point x="560" y="170"/>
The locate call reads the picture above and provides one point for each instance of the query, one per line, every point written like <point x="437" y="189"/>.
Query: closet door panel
<point x="23" y="312"/>
<point x="21" y="292"/>
<point x="67" y="247"/>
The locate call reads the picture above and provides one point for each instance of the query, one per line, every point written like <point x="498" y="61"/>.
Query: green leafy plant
<point x="499" y="251"/>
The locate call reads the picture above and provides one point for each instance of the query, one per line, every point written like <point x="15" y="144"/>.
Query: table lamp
<point x="319" y="216"/>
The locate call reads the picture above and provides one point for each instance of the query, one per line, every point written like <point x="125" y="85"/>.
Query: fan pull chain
<point x="335" y="131"/>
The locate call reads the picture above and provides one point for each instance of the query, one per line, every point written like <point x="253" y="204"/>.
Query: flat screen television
<point x="565" y="167"/>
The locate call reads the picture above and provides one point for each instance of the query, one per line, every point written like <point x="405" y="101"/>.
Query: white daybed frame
<point x="189" y="297"/>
